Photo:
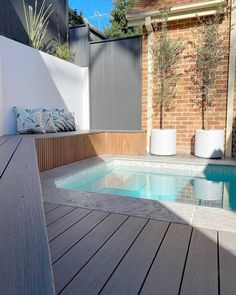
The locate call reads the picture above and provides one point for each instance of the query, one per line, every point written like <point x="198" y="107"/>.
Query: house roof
<point x="149" y="5"/>
<point x="148" y="11"/>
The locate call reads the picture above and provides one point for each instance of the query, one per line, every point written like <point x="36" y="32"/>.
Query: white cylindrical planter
<point x="163" y="142"/>
<point x="209" y="143"/>
<point x="207" y="190"/>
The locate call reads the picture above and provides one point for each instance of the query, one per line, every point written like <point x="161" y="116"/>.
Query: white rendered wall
<point x="32" y="79"/>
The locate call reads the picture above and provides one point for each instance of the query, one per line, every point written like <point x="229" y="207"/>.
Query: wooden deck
<point x="95" y="252"/>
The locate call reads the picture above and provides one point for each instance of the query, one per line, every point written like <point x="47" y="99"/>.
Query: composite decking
<point x="25" y="266"/>
<point x="95" y="252"/>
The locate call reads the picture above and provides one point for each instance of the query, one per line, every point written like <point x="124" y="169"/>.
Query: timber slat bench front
<point x="24" y="253"/>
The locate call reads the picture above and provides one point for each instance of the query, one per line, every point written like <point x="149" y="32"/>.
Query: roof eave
<point x="179" y="12"/>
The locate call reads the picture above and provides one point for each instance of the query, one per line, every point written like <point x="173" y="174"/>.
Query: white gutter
<point x="190" y="10"/>
<point x="231" y="82"/>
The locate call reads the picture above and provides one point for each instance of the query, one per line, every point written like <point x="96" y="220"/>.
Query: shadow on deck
<point x="95" y="252"/>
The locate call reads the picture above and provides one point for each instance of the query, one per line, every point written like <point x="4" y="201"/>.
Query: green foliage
<point x="37" y="22"/>
<point x="119" y="27"/>
<point x="209" y="53"/>
<point x="165" y="57"/>
<point x="75" y="19"/>
<point x="62" y="50"/>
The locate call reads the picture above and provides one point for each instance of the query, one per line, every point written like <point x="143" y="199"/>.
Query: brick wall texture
<point x="234" y="124"/>
<point x="185" y="116"/>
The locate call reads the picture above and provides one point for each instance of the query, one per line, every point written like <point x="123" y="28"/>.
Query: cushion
<point x="48" y="122"/>
<point x="28" y="121"/>
<point x="68" y="119"/>
<point x="59" y="121"/>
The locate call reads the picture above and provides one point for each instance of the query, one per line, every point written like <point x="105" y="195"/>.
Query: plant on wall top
<point x="165" y="57"/>
<point x="62" y="50"/>
<point x="209" y="53"/>
<point x="37" y="21"/>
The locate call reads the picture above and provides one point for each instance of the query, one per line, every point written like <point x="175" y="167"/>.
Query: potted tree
<point x="209" y="53"/>
<point x="165" y="57"/>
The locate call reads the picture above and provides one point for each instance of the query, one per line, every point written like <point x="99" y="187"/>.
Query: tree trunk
<point x="162" y="116"/>
<point x="203" y="115"/>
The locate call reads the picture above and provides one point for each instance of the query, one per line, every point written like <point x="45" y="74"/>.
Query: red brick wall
<point x="184" y="116"/>
<point x="234" y="124"/>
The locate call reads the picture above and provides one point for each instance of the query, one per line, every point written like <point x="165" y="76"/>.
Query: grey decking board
<point x="57" y="213"/>
<point x="130" y="274"/>
<point x="94" y="275"/>
<point x="201" y="271"/>
<point x="3" y="139"/>
<point x="73" y="261"/>
<point x="166" y="272"/>
<point x="227" y="263"/>
<point x="7" y="149"/>
<point x="24" y="254"/>
<point x="200" y="275"/>
<point x="49" y="207"/>
<point x="68" y="220"/>
<point x="71" y="236"/>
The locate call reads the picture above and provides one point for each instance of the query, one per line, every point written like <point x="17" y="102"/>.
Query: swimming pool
<point x="211" y="185"/>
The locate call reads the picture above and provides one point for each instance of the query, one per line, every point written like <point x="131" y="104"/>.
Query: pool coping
<point x="208" y="217"/>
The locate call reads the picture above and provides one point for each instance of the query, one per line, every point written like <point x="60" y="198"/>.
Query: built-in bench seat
<point x="24" y="253"/>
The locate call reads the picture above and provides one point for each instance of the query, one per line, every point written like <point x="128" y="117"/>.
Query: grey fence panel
<point x="115" y="84"/>
<point x="79" y="37"/>
<point x="80" y="44"/>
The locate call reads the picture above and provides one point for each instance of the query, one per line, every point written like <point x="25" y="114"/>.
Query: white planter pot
<point x="163" y="142"/>
<point x="207" y="190"/>
<point x="209" y="143"/>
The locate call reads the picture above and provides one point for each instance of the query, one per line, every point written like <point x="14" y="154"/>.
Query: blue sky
<point x="90" y="7"/>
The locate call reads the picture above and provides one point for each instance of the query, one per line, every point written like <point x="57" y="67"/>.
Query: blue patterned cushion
<point x="59" y="121"/>
<point x="68" y="119"/>
<point x="48" y="122"/>
<point x="28" y="121"/>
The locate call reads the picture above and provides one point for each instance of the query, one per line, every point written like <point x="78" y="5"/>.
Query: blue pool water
<point x="213" y="186"/>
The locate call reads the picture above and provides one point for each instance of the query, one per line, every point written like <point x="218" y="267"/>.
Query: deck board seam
<point x="149" y="269"/>
<point x="126" y="252"/>
<point x="4" y="141"/>
<point x="127" y="217"/>
<point x="50" y="210"/>
<point x="80" y="238"/>
<point x="90" y="211"/>
<point x="61" y="216"/>
<point x="7" y="164"/>
<point x="185" y="262"/>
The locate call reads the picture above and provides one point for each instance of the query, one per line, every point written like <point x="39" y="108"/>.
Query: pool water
<point x="212" y="186"/>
